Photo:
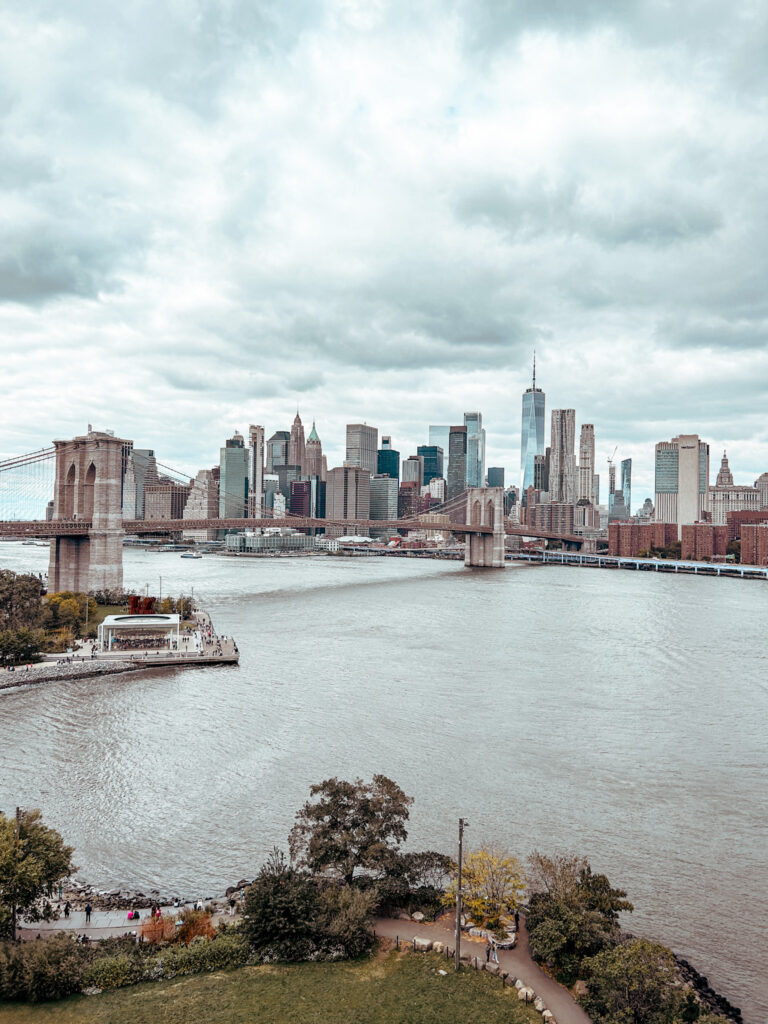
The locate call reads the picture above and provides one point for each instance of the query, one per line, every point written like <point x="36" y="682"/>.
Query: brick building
<point x="736" y="520"/>
<point x="628" y="540"/>
<point x="754" y="544"/>
<point x="704" y="542"/>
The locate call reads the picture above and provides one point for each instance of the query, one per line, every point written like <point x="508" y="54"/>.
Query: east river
<point x="614" y="714"/>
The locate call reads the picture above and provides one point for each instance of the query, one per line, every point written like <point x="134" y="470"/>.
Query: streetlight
<point x="462" y="825"/>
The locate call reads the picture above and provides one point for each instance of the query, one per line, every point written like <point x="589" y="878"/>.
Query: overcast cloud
<point x="213" y="212"/>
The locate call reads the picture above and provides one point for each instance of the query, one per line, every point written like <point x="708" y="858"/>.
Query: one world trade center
<point x="532" y="434"/>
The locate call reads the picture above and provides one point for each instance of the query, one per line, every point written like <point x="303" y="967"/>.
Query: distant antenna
<point x="534" y="369"/>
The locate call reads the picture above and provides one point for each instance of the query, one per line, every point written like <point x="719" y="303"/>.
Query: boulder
<point x="519" y="984"/>
<point x="547" y="1016"/>
<point x="579" y="989"/>
<point x="418" y="916"/>
<point x="403" y="917"/>
<point x="422" y="945"/>
<point x="538" y="1004"/>
<point x="438" y="947"/>
<point x="526" y="994"/>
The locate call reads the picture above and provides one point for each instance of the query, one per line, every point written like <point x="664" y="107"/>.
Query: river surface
<point x="618" y="715"/>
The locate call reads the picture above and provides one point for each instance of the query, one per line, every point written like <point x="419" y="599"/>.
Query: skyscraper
<point x="457" y="461"/>
<point x="439" y="435"/>
<point x="256" y="471"/>
<point x="348" y="494"/>
<point x="233" y="479"/>
<point x="626" y="484"/>
<point x="586" y="487"/>
<point x="296" y="444"/>
<point x="562" y="466"/>
<point x="388" y="459"/>
<point x="433" y="461"/>
<point x="532" y="433"/>
<point x="495" y="476"/>
<point x="384" y="490"/>
<point x="362" y="446"/>
<point x="313" y="455"/>
<point x="473" y="421"/>
<point x="277" y="450"/>
<point x="413" y="469"/>
<point x="682" y="480"/>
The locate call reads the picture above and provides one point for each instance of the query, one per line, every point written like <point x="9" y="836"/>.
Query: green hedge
<point x="170" y="962"/>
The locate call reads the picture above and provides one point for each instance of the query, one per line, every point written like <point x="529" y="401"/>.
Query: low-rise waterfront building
<point x="754" y="544"/>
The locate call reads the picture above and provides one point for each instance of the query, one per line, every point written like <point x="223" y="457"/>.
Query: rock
<point x="538" y="1004"/>
<point x="526" y="994"/>
<point x="92" y="991"/>
<point x="422" y="945"/>
<point x="579" y="988"/>
<point x="438" y="947"/>
<point x="519" y="984"/>
<point x="547" y="1015"/>
<point x="418" y="916"/>
<point x="403" y="917"/>
<point x="493" y="968"/>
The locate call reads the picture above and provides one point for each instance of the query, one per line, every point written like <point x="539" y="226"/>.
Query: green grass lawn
<point x="393" y="989"/>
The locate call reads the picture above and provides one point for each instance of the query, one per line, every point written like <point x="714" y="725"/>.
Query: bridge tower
<point x="485" y="507"/>
<point x="88" y="486"/>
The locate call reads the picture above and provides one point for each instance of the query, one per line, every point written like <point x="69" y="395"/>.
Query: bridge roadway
<point x="81" y="528"/>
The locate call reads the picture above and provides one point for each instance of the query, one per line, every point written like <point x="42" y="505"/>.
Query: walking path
<point x="104" y="924"/>
<point x="517" y="962"/>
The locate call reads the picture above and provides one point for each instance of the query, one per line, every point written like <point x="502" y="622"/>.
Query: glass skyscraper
<point x="433" y="461"/>
<point x="626" y="483"/>
<point x="473" y="421"/>
<point x="532" y="434"/>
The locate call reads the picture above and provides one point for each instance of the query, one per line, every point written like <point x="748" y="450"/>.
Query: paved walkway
<point x="517" y="962"/>
<point x="103" y="924"/>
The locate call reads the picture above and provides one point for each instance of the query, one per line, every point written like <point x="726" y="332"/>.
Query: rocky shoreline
<point x="77" y="893"/>
<point x="712" y="1000"/>
<point x="52" y="672"/>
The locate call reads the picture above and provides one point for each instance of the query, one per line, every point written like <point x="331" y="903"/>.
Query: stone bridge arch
<point x="485" y="507"/>
<point x="88" y="486"/>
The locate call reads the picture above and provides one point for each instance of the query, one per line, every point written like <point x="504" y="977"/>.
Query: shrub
<point x="112" y="972"/>
<point x="195" y="924"/>
<point x="46" y="969"/>
<point x="344" y="920"/>
<point x="158" y="929"/>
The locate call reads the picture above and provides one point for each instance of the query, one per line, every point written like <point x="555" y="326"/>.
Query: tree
<point x="33" y="858"/>
<point x="635" y="982"/>
<point x="352" y="825"/>
<point x="18" y="646"/>
<point x="20" y="605"/>
<point x="280" y="910"/>
<point x="573" y="913"/>
<point x="492" y="884"/>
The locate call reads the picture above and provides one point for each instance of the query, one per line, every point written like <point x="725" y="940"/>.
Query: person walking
<point x="66" y="910"/>
<point x="231" y="906"/>
<point x="88" y="909"/>
<point x="494" y="953"/>
<point x="517" y="920"/>
<point x="488" y="951"/>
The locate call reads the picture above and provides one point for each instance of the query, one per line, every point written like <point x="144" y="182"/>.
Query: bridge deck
<point x="81" y="528"/>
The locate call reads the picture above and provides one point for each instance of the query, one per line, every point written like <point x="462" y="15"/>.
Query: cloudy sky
<point x="215" y="212"/>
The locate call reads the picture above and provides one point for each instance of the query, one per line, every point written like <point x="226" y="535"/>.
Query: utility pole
<point x="462" y="825"/>
<point x="16" y="851"/>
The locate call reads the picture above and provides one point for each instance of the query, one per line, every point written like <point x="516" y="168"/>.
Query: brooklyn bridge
<point x="87" y="527"/>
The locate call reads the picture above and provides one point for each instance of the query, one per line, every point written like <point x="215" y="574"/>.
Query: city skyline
<point x="411" y="233"/>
